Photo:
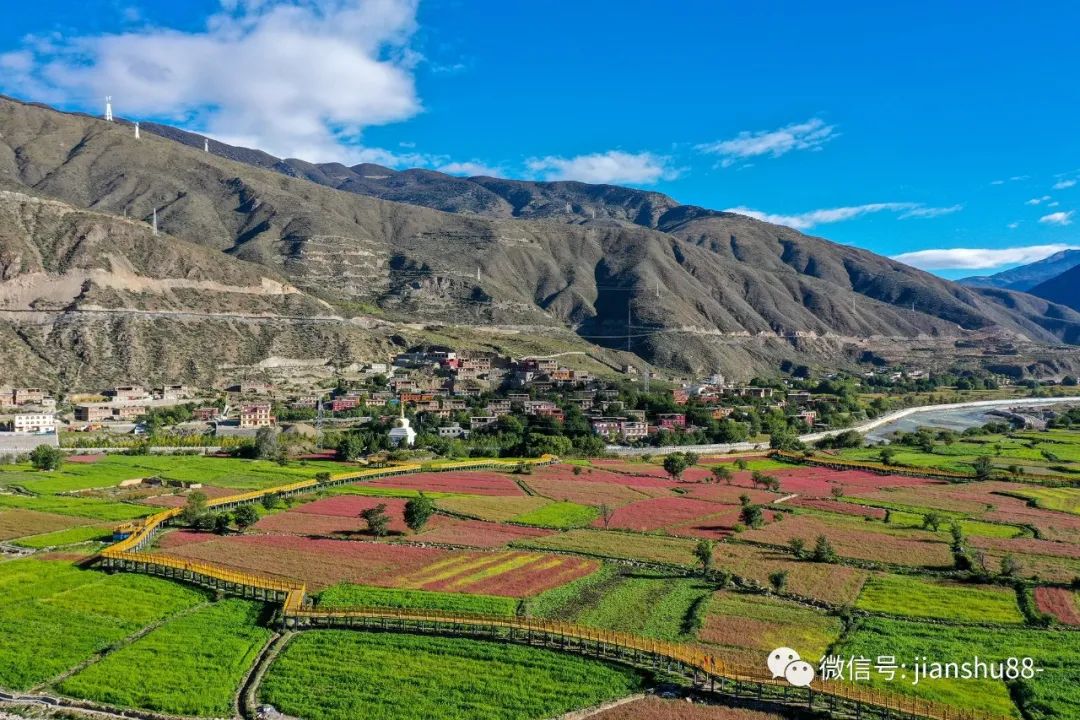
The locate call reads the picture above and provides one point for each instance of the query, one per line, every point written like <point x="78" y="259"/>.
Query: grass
<point x="914" y="597"/>
<point x="1054" y="693"/>
<point x="561" y="515"/>
<point x="113" y="469"/>
<point x="655" y="605"/>
<point x="54" y="616"/>
<point x="1062" y="499"/>
<point x="343" y="675"/>
<point x="191" y="665"/>
<point x="91" y="508"/>
<point x="71" y="536"/>
<point x="347" y="595"/>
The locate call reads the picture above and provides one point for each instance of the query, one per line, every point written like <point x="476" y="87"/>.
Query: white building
<point x="402" y="434"/>
<point x="453" y="431"/>
<point x="33" y="423"/>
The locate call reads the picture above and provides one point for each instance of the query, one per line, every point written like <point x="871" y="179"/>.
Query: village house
<point x="33" y="423"/>
<point x="478" y="422"/>
<point x="27" y="396"/>
<point x="453" y="431"/>
<point x="92" y="413"/>
<point x="172" y="392"/>
<point x="127" y="393"/>
<point x="628" y="430"/>
<point x="205" y="414"/>
<point x="671" y="421"/>
<point x="128" y="412"/>
<point x="256" y="416"/>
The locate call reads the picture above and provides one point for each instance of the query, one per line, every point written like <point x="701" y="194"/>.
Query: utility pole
<point x="155" y="221"/>
<point x="136" y="131"/>
<point x="206" y="145"/>
<point x="108" y="108"/>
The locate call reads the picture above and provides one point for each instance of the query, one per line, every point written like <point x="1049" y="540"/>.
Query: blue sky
<point x="947" y="130"/>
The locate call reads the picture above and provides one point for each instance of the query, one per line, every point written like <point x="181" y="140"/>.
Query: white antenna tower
<point x="206" y="145"/>
<point x="155" y="221"/>
<point x="477" y="273"/>
<point x="136" y="131"/>
<point x="108" y="108"/>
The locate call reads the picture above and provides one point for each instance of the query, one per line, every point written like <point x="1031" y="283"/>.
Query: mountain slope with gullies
<point x="693" y="288"/>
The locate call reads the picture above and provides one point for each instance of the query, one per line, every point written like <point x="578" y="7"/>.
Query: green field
<point x="113" y="469"/>
<point x="1054" y="693"/>
<point x="69" y="536"/>
<point x="384" y="491"/>
<point x="347" y="596"/>
<point x="344" y="675"/>
<point x="191" y="665"/>
<point x="915" y="597"/>
<point x="561" y="515"/>
<point x="655" y="605"/>
<point x="1054" y="498"/>
<point x="79" y="507"/>
<point x="54" y="615"/>
<point x="763" y="622"/>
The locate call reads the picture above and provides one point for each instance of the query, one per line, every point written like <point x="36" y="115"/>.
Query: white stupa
<point x="402" y="434"/>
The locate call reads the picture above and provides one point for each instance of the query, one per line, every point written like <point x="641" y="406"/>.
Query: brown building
<point x="256" y="416"/>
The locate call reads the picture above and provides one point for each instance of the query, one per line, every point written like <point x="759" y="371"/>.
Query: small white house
<point x="33" y="423"/>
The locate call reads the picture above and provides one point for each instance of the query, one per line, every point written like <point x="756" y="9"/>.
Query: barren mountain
<point x="1025" y="277"/>
<point x="1063" y="288"/>
<point x="692" y="288"/>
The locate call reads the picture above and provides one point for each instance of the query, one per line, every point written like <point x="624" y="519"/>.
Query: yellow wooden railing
<point x="296" y="610"/>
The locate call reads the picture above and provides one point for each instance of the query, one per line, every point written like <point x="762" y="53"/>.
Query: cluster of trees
<point x="46" y="457"/>
<point x="417" y="512"/>
<point x="198" y="515"/>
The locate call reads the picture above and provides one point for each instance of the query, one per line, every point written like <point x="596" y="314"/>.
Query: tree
<point x="703" y="551"/>
<point x="271" y="501"/>
<point x="194" y="507"/>
<point x="676" y="464"/>
<point x="245" y="516"/>
<point x="932" y="521"/>
<point x="740" y="463"/>
<point x="46" y="457"/>
<point x="606" y="511"/>
<point x="798" y="547"/>
<point x="778" y="580"/>
<point x="887" y="454"/>
<point x="219" y="522"/>
<point x="956" y="532"/>
<point x="744" y="499"/>
<point x="722" y="472"/>
<point x="377" y="520"/>
<point x="322" y="477"/>
<point x="1010" y="566"/>
<point x="837" y="491"/>
<point x="984" y="468"/>
<point x="823" y="550"/>
<point x="266" y="444"/>
<point x="752" y="516"/>
<point x="417" y="512"/>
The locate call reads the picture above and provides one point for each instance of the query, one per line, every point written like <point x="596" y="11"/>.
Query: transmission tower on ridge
<point x="108" y="108"/>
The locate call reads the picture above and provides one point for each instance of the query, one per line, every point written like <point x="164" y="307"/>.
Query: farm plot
<point x="660" y="513"/>
<point x="1063" y="604"/>
<point x="834" y="584"/>
<point x="561" y="515"/>
<point x="858" y="539"/>
<point x="623" y="545"/>
<point x="20" y="523"/>
<point x="91" y="508"/>
<point x="70" y="536"/>
<point x="191" y="665"/>
<point x="334" y="515"/>
<point x="653" y="708"/>
<point x="811" y="481"/>
<point x="1056" y="690"/>
<point x="647" y="473"/>
<point x="1062" y="499"/>
<point x="651" y="604"/>
<point x="584" y="492"/>
<point x="838" y="507"/>
<point x="915" y="597"/>
<point x="343" y="675"/>
<point x="514" y="574"/>
<point x="726" y="494"/>
<point x="744" y="627"/>
<point x="351" y="596"/>
<point x="1051" y="524"/>
<point x="494" y="509"/>
<point x="54" y="616"/>
<point x="476" y="533"/>
<point x="1022" y="547"/>
<point x="456" y="482"/>
<point x="179" y="497"/>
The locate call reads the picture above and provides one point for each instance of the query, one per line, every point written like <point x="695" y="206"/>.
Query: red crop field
<point x="463" y="482"/>
<point x="510" y="573"/>
<point x="1027" y="546"/>
<point x="476" y="533"/>
<point x="20" y="523"/>
<point x="317" y="562"/>
<point x="1060" y="603"/>
<point x="659" y="513"/>
<point x="818" y="482"/>
<point x="718" y="525"/>
<point x="653" y="708"/>
<point x="836" y="584"/>
<point x="83" y="459"/>
<point x="854" y="539"/>
<point x="584" y="492"/>
<point x="180" y="538"/>
<point x="727" y="494"/>
<point x="836" y="506"/>
<point x="338" y="514"/>
<point x="645" y="471"/>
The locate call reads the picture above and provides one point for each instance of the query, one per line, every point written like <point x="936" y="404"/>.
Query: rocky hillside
<point x="1063" y="288"/>
<point x="692" y="288"/>
<point x="1025" y="277"/>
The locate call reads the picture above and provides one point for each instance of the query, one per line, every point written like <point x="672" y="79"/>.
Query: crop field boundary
<point x="836" y="698"/>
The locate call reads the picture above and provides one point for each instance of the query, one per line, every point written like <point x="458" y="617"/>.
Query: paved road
<point x="862" y="428"/>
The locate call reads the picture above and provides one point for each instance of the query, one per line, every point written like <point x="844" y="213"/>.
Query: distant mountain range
<point x="1025" y="277"/>
<point x="328" y="260"/>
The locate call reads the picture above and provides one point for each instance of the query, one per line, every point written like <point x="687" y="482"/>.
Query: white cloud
<point x="613" y="166"/>
<point x="978" y="258"/>
<point x="1036" y="201"/>
<point x="298" y="78"/>
<point x="1064" y="184"/>
<point x="1013" y="225"/>
<point x="809" y="135"/>
<point x="470" y="169"/>
<point x="807" y="220"/>
<point x="1057" y="218"/>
